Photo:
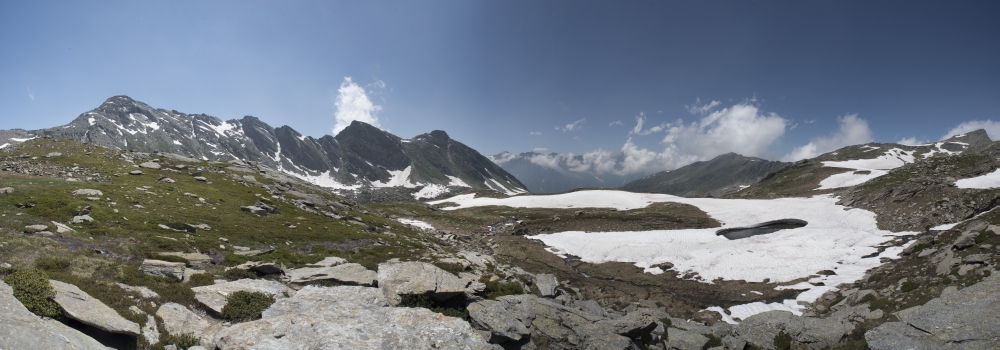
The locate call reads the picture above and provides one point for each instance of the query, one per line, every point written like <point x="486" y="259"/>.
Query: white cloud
<point x="700" y="108"/>
<point x="353" y="104"/>
<point x="852" y="131"/>
<point x="31" y="95"/>
<point x="640" y="120"/>
<point x="992" y="128"/>
<point x="810" y="121"/>
<point x="911" y="141"/>
<point x="541" y="149"/>
<point x="617" y="122"/>
<point x="535" y="133"/>
<point x="577" y="125"/>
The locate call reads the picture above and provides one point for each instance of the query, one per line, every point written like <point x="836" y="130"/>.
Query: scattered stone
<point x="81" y="219"/>
<point x="21" y="329"/>
<point x="760" y="330"/>
<point x="35" y="228"/>
<point x="546" y="284"/>
<point x="966" y="240"/>
<point x="53" y="154"/>
<point x="135" y="172"/>
<point x="254" y="210"/>
<point x="150" y="165"/>
<point x="976" y="258"/>
<point x="194" y="259"/>
<point x="163" y="268"/>
<point x="349" y="273"/>
<point x="200" y="178"/>
<point x="62" y="228"/>
<point x="964" y="269"/>
<point x="414" y="277"/>
<point x="178" y="320"/>
<point x="167" y="180"/>
<point x="88" y="192"/>
<point x="685" y="340"/>
<point x="214" y="296"/>
<point x="6" y="190"/>
<point x="80" y="306"/>
<point x="927" y="252"/>
<point x="146" y="293"/>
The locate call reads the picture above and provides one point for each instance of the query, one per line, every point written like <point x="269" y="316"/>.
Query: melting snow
<point x="91" y="120"/>
<point x="879" y="166"/>
<point x="4" y="145"/>
<point x="325" y="180"/>
<point x="991" y="180"/>
<point x="430" y="191"/>
<point x="177" y="143"/>
<point x="302" y="137"/>
<point x="416" y="223"/>
<point x="221" y="128"/>
<point x="456" y="181"/>
<point x="943" y="227"/>
<point x="22" y="140"/>
<point x="835" y="239"/>
<point x="399" y="178"/>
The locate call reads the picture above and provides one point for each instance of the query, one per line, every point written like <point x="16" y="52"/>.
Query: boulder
<point x="88" y="192"/>
<point x="166" y="180"/>
<point x="194" y="259"/>
<point x="150" y="165"/>
<point x="632" y="325"/>
<point x="6" y="190"/>
<point x="135" y="172"/>
<point x="348" y="318"/>
<point x="544" y="318"/>
<point x="331" y="261"/>
<point x="349" y="273"/>
<point x="143" y="291"/>
<point x="21" y="329"/>
<point x="546" y="284"/>
<point x="760" y="330"/>
<point x="81" y="219"/>
<point x="976" y="258"/>
<point x="200" y="178"/>
<point x="80" y="306"/>
<point x="149" y="331"/>
<point x="964" y="319"/>
<point x="35" y="228"/>
<point x="414" y="277"/>
<point x="254" y="210"/>
<point x="685" y="340"/>
<point x="492" y="315"/>
<point x="214" y="296"/>
<point x="163" y="268"/>
<point x="966" y="240"/>
<point x="266" y="268"/>
<point x="178" y="320"/>
<point x="62" y="228"/>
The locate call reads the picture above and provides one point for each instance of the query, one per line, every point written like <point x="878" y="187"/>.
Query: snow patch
<point x="177" y="143"/>
<point x="324" y="180"/>
<point x="22" y="140"/>
<point x="399" y="178"/>
<point x="430" y="191"/>
<point x="892" y="159"/>
<point x="991" y="180"/>
<point x="91" y="120"/>
<point x="455" y="181"/>
<point x="221" y="128"/>
<point x="944" y="227"/>
<point x="4" y="145"/>
<point x="416" y="223"/>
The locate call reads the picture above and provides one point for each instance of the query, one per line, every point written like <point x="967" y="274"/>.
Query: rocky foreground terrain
<point x="105" y="248"/>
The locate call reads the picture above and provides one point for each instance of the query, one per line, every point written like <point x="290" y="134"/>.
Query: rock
<point x="163" y="268"/>
<point x="632" y="325"/>
<point x="254" y="210"/>
<point x="331" y="261"/>
<point x="269" y="209"/>
<point x="966" y="240"/>
<point x="21" y="329"/>
<point x="143" y="291"/>
<point x="81" y="219"/>
<point x="6" y="190"/>
<point x="927" y="252"/>
<point x="546" y="284"/>
<point x="413" y="277"/>
<point x="53" y="154"/>
<point x="88" y="192"/>
<point x="684" y="340"/>
<point x="194" y="259"/>
<point x="214" y="296"/>
<point x="760" y="330"/>
<point x="62" y="228"/>
<point x="150" y="332"/>
<point x="321" y="318"/>
<point x="976" y="258"/>
<point x="962" y="319"/>
<point x="964" y="269"/>
<point x="349" y="273"/>
<point x="200" y="178"/>
<point x="135" y="172"/>
<point x="35" y="228"/>
<point x="150" y="165"/>
<point x="178" y="320"/>
<point x="80" y="306"/>
<point x="267" y="268"/>
<point x="543" y="317"/>
<point x="166" y="180"/>
<point x="492" y="315"/>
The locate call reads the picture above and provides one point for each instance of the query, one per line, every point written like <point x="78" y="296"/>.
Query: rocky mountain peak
<point x="974" y="138"/>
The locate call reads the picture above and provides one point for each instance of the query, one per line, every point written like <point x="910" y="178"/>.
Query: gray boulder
<point x="135" y="172"/>
<point x="214" y="296"/>
<point x="178" y="320"/>
<point x="546" y="284"/>
<point x="348" y="318"/>
<point x="200" y="178"/>
<point x="976" y="258"/>
<point x="194" y="259"/>
<point x="35" y="228"/>
<point x="80" y="306"/>
<point x="150" y="165"/>
<point x="812" y="333"/>
<point x="492" y="315"/>
<point x="254" y="210"/>
<point x="965" y="319"/>
<point x="21" y="329"/>
<point x="966" y="240"/>
<point x="685" y="340"/>
<point x="79" y="219"/>
<point x="632" y="325"/>
<point x="349" y="273"/>
<point x="163" y="268"/>
<point x="149" y="331"/>
<point x="6" y="190"/>
<point x="414" y="277"/>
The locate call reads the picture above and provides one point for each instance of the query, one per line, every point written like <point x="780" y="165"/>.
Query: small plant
<point x="238" y="274"/>
<point x="782" y="341"/>
<point x="170" y="258"/>
<point x="881" y="304"/>
<point x="32" y="289"/>
<point x="666" y="322"/>
<point x="713" y="341"/>
<point x="201" y="279"/>
<point x="867" y="298"/>
<point x="424" y="301"/>
<point x="234" y="259"/>
<point x="52" y="264"/>
<point x="496" y="289"/>
<point x="243" y="306"/>
<point x="181" y="341"/>
<point x="450" y="267"/>
<point x="909" y="286"/>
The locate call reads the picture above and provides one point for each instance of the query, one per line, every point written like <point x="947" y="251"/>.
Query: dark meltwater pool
<point x="760" y="229"/>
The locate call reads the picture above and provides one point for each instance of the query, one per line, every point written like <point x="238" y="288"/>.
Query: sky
<point x="634" y="86"/>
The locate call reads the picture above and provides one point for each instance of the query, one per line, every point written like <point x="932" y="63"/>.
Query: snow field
<point x="991" y="180"/>
<point x="892" y="159"/>
<point x="416" y="223"/>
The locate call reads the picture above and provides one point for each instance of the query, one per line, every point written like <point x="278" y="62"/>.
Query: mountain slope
<point x="723" y="174"/>
<point x="360" y="155"/>
<point x="555" y="173"/>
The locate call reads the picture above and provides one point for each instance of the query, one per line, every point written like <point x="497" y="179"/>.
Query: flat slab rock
<point x="214" y="296"/>
<point x="349" y="273"/>
<point x="21" y="329"/>
<point x="414" y="277"/>
<point x="163" y="268"/>
<point x="964" y="319"/>
<point x="80" y="306"/>
<point x="348" y="317"/>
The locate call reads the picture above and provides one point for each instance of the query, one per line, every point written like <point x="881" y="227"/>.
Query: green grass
<point x="32" y="289"/>
<point x="496" y="289"/>
<point x="243" y="306"/>
<point x="909" y="286"/>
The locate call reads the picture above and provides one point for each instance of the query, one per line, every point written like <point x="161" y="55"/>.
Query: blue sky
<point x="775" y="79"/>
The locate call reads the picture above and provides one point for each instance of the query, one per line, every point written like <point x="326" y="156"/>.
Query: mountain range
<point x="724" y="174"/>
<point x="361" y="155"/>
<point x="552" y="173"/>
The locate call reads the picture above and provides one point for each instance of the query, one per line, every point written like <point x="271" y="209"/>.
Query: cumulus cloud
<point x="541" y="149"/>
<point x="617" y="122"/>
<point x="852" y="131"/>
<point x="640" y="120"/>
<point x="535" y="133"/>
<point x="911" y="141"/>
<point x="702" y="108"/>
<point x="992" y="128"/>
<point x="353" y="104"/>
<point x="577" y="125"/>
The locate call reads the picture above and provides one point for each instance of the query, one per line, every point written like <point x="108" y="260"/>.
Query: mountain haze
<point x="553" y="173"/>
<point x="723" y="174"/>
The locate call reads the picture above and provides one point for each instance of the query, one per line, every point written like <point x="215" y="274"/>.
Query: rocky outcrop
<point x="20" y="329"/>
<point x="350" y="273"/>
<point x="546" y="284"/>
<point x="80" y="306"/>
<point x="214" y="296"/>
<point x="965" y="319"/>
<point x="163" y="268"/>
<point x="414" y="277"/>
<point x="348" y="317"/>
<point x="761" y="329"/>
<point x="178" y="320"/>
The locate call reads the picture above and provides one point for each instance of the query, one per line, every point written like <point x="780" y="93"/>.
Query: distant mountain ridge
<point x="554" y="173"/>
<point x="724" y="174"/>
<point x="360" y="155"/>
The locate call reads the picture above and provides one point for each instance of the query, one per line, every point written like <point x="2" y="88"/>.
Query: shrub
<point x="909" y="286"/>
<point x="238" y="274"/>
<point x="713" y="341"/>
<point x="424" y="301"/>
<point x="182" y="341"/>
<point x="496" y="289"/>
<point x="881" y="304"/>
<point x="52" y="264"/>
<point x="450" y="267"/>
<point x="867" y="298"/>
<point x="201" y="279"/>
<point x="242" y="306"/>
<point x="233" y="260"/>
<point x="666" y="322"/>
<point x="782" y="341"/>
<point x="32" y="288"/>
<point x="984" y="236"/>
<point x="170" y="258"/>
